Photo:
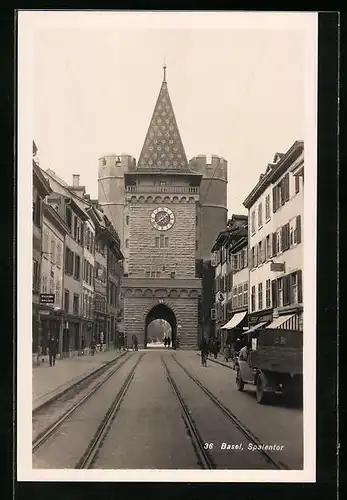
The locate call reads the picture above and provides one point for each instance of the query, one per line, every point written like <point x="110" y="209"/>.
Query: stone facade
<point x="185" y="308"/>
<point x="177" y="257"/>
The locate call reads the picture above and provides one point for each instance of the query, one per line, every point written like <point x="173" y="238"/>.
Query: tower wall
<point x="111" y="193"/>
<point x="212" y="210"/>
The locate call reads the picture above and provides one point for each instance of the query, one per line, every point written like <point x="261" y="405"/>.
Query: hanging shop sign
<point x="47" y="298"/>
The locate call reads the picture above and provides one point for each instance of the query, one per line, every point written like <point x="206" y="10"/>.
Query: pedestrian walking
<point x="227" y="352"/>
<point x="204" y="352"/>
<point x="168" y="341"/>
<point x="93" y="346"/>
<point x="52" y="350"/>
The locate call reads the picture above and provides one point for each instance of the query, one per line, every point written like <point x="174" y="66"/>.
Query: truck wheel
<point x="261" y="395"/>
<point x="239" y="382"/>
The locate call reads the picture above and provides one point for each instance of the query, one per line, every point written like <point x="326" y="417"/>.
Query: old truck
<point x="272" y="362"/>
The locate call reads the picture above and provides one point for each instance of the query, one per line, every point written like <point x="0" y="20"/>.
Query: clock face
<point x="162" y="218"/>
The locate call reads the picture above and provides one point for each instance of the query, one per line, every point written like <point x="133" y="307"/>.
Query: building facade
<point x="164" y="264"/>
<point x="228" y="314"/>
<point x="41" y="188"/>
<point x="52" y="273"/>
<point x="275" y="208"/>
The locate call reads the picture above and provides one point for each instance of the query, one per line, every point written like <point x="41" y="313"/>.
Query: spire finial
<point x="164" y="68"/>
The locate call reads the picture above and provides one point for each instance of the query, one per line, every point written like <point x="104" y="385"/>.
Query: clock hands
<point x="162" y="218"/>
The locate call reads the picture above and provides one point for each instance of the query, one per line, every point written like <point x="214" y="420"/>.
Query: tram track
<point x="90" y="454"/>
<point x="52" y="428"/>
<point x="232" y="417"/>
<point x="79" y="383"/>
<point x="204" y="458"/>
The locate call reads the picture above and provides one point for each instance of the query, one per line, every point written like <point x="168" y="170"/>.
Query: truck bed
<point x="282" y="359"/>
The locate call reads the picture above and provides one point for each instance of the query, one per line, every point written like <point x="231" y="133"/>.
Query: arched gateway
<point x="162" y="311"/>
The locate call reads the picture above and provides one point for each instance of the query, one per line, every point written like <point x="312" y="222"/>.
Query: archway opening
<point x="160" y="322"/>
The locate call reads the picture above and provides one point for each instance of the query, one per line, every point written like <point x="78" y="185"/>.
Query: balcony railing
<point x="162" y="189"/>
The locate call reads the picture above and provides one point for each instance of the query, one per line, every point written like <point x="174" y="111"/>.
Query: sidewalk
<point x="221" y="361"/>
<point x="50" y="381"/>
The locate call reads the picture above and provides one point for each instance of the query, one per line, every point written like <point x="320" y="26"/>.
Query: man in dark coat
<point x="52" y="348"/>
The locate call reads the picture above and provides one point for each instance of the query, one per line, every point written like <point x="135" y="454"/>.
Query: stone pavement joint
<point x="50" y="382"/>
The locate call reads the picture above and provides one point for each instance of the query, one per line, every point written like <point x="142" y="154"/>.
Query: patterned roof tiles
<point x="163" y="147"/>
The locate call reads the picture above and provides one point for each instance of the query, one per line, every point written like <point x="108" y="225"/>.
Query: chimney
<point x="75" y="180"/>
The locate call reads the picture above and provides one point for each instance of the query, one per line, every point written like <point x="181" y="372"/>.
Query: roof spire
<point x="164" y="68"/>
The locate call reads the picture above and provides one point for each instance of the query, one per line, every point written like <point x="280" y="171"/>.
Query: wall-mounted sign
<point x="277" y="267"/>
<point x="47" y="298"/>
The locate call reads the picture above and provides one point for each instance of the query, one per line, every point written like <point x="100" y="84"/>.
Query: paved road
<point x="148" y="431"/>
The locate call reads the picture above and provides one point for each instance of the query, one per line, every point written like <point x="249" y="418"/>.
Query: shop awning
<point x="278" y="322"/>
<point x="234" y="321"/>
<point x="255" y="327"/>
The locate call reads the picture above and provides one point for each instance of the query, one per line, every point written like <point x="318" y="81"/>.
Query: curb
<point x="219" y="363"/>
<point x="64" y="388"/>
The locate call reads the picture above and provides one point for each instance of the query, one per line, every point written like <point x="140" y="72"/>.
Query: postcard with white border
<point x="167" y="176"/>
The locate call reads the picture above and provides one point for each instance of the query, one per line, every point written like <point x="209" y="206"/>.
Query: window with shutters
<point x="267" y="208"/>
<point x="286" y="291"/>
<point x="253" y="222"/>
<point x="127" y="220"/>
<point x="76" y="303"/>
<point x="299" y="274"/>
<point x="294" y="288"/>
<point x="285" y="237"/>
<point x="242" y="259"/>
<point x="253" y="298"/>
<point x="239" y="295"/>
<point x="274" y="293"/>
<point x="148" y="274"/>
<point x="274" y="199"/>
<point x="267" y="294"/>
<point x="297" y="183"/>
<point x="280" y="292"/>
<point x="267" y="247"/>
<point x="260" y="253"/>
<point x="245" y="294"/>
<point x="234" y="299"/>
<point x="68" y="215"/>
<point x="69" y="261"/>
<point x="260" y="215"/>
<point x="252" y="257"/>
<point x="66" y="301"/>
<point x="260" y="296"/>
<point x="278" y="241"/>
<point x="77" y="272"/>
<point x="256" y="256"/>
<point x="235" y="262"/>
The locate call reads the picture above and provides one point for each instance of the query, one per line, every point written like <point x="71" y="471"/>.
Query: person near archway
<point x="169" y="342"/>
<point x="204" y="351"/>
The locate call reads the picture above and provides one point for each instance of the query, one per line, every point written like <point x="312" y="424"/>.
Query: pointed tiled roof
<point x="163" y="148"/>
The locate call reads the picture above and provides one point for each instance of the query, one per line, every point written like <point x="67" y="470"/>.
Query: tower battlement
<point x="210" y="166"/>
<point x="114" y="165"/>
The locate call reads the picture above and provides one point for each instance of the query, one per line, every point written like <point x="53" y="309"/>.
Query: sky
<point x="238" y="92"/>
